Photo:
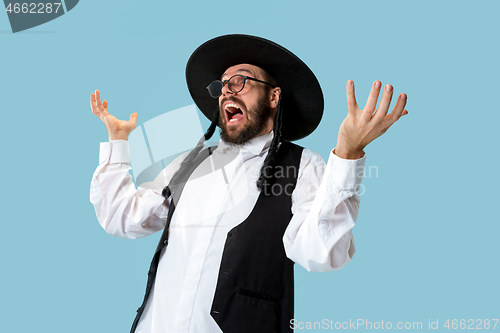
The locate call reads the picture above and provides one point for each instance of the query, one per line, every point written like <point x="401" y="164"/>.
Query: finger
<point x="399" y="108"/>
<point x="93" y="105"/>
<point x="98" y="99"/>
<point x="104" y="108"/>
<point x="371" y="103"/>
<point x="385" y="102"/>
<point x="133" y="117"/>
<point x="352" y="106"/>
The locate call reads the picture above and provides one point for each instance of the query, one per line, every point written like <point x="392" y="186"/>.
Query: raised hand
<point x="361" y="127"/>
<point x="117" y="129"/>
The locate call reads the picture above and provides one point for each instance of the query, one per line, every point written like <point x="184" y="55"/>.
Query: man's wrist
<point x="118" y="137"/>
<point x="348" y="154"/>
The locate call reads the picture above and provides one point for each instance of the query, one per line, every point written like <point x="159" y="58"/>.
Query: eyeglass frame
<point x="245" y="78"/>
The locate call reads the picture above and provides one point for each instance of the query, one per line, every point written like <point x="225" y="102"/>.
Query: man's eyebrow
<point x="240" y="70"/>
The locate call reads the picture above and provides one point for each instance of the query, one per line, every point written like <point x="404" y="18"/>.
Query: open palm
<point x="117" y="129"/>
<point x="361" y="127"/>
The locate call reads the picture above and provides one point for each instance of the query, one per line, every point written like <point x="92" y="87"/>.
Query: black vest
<point x="255" y="289"/>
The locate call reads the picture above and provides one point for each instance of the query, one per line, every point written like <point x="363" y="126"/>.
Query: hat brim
<point x="301" y="101"/>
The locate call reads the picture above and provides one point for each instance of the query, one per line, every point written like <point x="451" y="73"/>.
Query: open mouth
<point x="233" y="113"/>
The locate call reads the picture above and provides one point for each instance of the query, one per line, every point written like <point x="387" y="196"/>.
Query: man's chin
<point x="231" y="137"/>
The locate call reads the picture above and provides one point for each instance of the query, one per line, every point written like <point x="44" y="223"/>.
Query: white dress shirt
<point x="324" y="205"/>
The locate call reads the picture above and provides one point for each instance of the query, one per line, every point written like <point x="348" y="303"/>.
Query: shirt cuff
<point x="116" y="151"/>
<point x="344" y="173"/>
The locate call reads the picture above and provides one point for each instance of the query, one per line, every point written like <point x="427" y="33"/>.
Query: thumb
<point x="133" y="117"/>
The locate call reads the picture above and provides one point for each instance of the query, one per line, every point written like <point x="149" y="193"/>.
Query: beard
<point x="252" y="128"/>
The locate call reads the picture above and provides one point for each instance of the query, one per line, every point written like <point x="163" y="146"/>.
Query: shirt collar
<point x="255" y="146"/>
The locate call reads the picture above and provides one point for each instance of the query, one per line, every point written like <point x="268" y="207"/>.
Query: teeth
<point x="232" y="120"/>
<point x="231" y="105"/>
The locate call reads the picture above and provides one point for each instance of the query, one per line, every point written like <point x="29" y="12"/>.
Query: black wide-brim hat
<point x="301" y="100"/>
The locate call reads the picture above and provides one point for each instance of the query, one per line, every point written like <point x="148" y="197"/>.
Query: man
<point x="234" y="230"/>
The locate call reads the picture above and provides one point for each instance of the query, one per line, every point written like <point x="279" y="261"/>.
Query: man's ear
<point x="274" y="97"/>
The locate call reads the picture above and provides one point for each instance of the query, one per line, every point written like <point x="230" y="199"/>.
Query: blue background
<point x="427" y="233"/>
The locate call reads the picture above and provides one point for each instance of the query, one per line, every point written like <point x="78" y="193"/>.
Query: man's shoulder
<point x="313" y="158"/>
<point x="308" y="156"/>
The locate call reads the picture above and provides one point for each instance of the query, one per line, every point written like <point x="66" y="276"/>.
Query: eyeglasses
<point x="235" y="84"/>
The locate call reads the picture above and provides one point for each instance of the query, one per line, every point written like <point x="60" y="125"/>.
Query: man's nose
<point x="226" y="91"/>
